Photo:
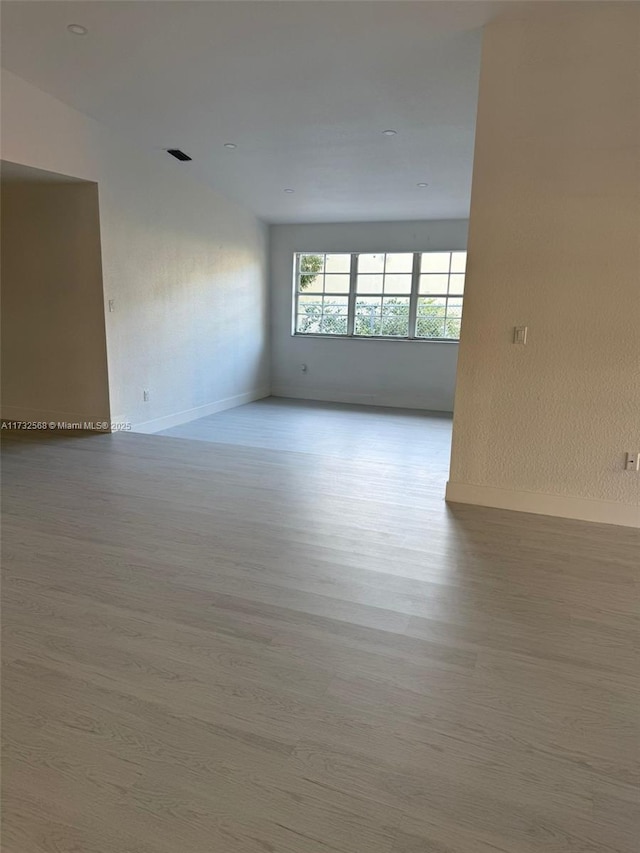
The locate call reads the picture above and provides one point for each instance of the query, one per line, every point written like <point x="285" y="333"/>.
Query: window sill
<point x="376" y="338"/>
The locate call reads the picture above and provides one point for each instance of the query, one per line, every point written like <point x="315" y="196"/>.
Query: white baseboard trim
<point x="177" y="418"/>
<point x="395" y="402"/>
<point x="582" y="509"/>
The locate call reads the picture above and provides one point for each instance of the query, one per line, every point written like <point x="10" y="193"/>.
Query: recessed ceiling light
<point x="289" y="190"/>
<point x="77" y="29"/>
<point x="230" y="145"/>
<point x="423" y="185"/>
<point x="389" y="132"/>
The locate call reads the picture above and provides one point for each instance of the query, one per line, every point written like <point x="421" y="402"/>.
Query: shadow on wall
<point x="54" y="355"/>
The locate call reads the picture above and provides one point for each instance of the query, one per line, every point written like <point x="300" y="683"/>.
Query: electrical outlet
<point x="145" y="395"/>
<point x="632" y="462"/>
<point x="112" y="306"/>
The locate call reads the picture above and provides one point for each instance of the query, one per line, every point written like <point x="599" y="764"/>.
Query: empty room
<point x="320" y="426"/>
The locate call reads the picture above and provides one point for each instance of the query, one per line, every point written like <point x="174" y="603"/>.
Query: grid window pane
<point x="438" y="317"/>
<point x="309" y="322"/>
<point x="452" y="328"/>
<point x="367" y="303"/>
<point x="310" y="283"/>
<point x="341" y="302"/>
<point x="310" y="306"/>
<point x="395" y="316"/>
<point x="399" y="263"/>
<point x="395" y="325"/>
<point x="435" y="262"/>
<point x="434" y="283"/>
<point x="369" y="283"/>
<point x="430" y="327"/>
<point x="337" y="263"/>
<point x="396" y="301"/>
<point x="371" y="263"/>
<point x="311" y="263"/>
<point x="397" y="284"/>
<point x="456" y="283"/>
<point x="368" y="316"/>
<point x="311" y="274"/>
<point x="336" y="283"/>
<point x="334" y="324"/>
<point x="454" y="308"/>
<point x="458" y="261"/>
<point x="432" y="306"/>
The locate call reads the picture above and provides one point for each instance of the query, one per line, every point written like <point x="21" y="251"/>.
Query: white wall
<point x="554" y="244"/>
<point x="185" y="266"/>
<point x="415" y="374"/>
<point x="54" y="355"/>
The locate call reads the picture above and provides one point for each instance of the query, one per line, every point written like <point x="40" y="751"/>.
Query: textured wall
<point x="554" y="244"/>
<point x="185" y="266"/>
<point x="54" y="357"/>
<point x="417" y="374"/>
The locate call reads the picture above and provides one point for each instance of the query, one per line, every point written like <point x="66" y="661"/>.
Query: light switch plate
<point x="520" y="334"/>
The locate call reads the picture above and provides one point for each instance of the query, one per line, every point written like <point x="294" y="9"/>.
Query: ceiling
<point x="304" y="89"/>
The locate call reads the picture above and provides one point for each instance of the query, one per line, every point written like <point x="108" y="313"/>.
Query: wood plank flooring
<point x="278" y="639"/>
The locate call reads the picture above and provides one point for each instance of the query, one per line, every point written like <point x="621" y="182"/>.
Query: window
<point x="408" y="295"/>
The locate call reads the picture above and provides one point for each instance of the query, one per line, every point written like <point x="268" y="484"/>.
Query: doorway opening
<point x="54" y="353"/>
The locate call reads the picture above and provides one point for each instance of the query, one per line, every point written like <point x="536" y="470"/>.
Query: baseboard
<point x="177" y="418"/>
<point x="56" y="420"/>
<point x="406" y="401"/>
<point x="582" y="509"/>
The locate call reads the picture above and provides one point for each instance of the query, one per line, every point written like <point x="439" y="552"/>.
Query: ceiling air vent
<point x="178" y="154"/>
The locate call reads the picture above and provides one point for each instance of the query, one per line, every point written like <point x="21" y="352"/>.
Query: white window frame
<point x="352" y="296"/>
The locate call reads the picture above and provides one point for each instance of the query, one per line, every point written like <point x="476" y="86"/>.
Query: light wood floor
<point x="280" y="640"/>
<point x="389" y="436"/>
